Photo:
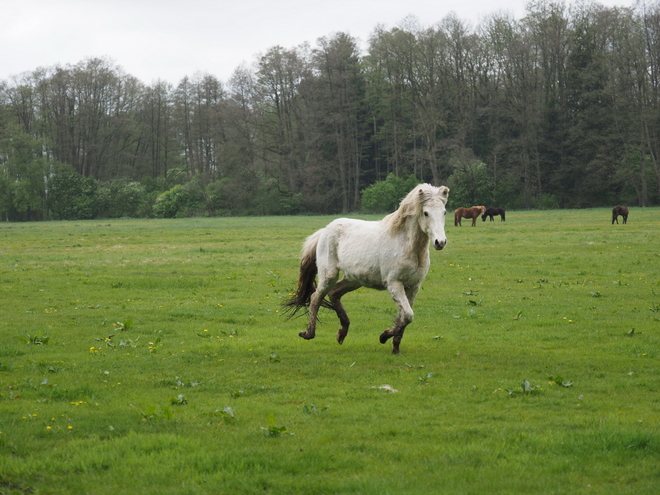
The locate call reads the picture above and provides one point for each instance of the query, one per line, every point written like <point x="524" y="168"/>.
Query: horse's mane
<point x="412" y="204"/>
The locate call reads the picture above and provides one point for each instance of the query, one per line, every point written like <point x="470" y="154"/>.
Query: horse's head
<point x="433" y="201"/>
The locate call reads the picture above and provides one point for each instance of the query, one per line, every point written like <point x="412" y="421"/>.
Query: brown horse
<point x="619" y="210"/>
<point x="472" y="213"/>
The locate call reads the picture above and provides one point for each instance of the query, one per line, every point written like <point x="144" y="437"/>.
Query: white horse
<point x="391" y="254"/>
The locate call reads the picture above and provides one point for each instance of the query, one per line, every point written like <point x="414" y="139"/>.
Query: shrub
<point x="120" y="198"/>
<point x="72" y="196"/>
<point x="385" y="195"/>
<point x="169" y="203"/>
<point x="470" y="184"/>
<point x="272" y="200"/>
<point x="214" y="197"/>
<point x="180" y="201"/>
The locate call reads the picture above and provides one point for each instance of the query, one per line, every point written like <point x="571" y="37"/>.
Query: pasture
<point x="152" y="356"/>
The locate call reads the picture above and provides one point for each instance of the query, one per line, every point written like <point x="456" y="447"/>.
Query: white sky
<point x="169" y="39"/>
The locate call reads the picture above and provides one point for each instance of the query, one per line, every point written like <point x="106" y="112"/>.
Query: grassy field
<point x="152" y="357"/>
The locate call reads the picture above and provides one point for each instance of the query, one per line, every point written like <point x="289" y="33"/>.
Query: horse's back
<point x="620" y="210"/>
<point x="464" y="212"/>
<point x="353" y="229"/>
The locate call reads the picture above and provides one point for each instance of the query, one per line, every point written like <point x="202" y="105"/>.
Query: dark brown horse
<point x="472" y="213"/>
<point x="493" y="212"/>
<point x="619" y="210"/>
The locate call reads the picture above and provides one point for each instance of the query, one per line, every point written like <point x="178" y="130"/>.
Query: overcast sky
<point x="169" y="39"/>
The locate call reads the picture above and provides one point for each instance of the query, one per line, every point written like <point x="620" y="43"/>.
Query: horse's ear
<point x="444" y="192"/>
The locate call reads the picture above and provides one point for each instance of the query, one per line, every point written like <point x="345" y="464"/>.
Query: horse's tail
<point x="307" y="277"/>
<point x="503" y="214"/>
<point x="457" y="216"/>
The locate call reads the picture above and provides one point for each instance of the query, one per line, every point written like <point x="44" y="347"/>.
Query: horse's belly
<point x="364" y="275"/>
<point x="376" y="276"/>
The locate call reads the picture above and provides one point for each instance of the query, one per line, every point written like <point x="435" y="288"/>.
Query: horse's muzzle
<point x="438" y="245"/>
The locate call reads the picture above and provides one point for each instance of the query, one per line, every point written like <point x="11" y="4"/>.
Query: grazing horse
<point x="619" y="210"/>
<point x="391" y="254"/>
<point x="472" y="213"/>
<point x="493" y="212"/>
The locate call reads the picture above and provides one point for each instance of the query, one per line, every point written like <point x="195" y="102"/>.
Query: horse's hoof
<point x="385" y="336"/>
<point x="306" y="336"/>
<point x="341" y="337"/>
<point x="396" y="351"/>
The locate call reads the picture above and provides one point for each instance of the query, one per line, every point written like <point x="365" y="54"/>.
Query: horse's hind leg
<point x="325" y="284"/>
<point x="338" y="291"/>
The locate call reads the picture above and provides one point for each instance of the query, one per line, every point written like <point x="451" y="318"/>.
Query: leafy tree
<point x="283" y="124"/>
<point x="559" y="108"/>
<point x="22" y="174"/>
<point x="341" y="92"/>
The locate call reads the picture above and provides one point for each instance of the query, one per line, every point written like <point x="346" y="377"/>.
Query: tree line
<point x="558" y="109"/>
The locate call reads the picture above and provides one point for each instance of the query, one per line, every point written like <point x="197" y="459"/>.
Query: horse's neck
<point x="416" y="241"/>
<point x="407" y="234"/>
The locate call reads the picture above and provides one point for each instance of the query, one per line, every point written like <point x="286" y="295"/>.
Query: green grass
<point x="152" y="357"/>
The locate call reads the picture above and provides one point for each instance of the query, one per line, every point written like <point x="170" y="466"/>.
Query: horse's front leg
<point x="403" y="318"/>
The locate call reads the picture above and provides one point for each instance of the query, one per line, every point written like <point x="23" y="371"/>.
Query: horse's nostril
<point x="440" y="244"/>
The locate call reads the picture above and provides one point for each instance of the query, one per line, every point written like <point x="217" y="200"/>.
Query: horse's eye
<point x="426" y="213"/>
